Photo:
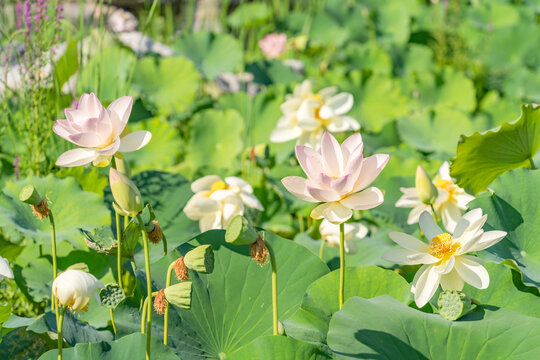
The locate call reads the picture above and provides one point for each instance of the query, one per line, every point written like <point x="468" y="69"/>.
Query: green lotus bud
<point x="453" y="304"/>
<point x="179" y="294"/>
<point x="122" y="166"/>
<point x="240" y="231"/>
<point x="424" y="187"/>
<point x="128" y="199"/>
<point x="30" y="195"/>
<point x="200" y="259"/>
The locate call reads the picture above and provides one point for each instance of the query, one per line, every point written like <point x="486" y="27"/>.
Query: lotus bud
<point x="160" y="303"/>
<point x="181" y="269"/>
<point x="128" y="199"/>
<point x="73" y="288"/>
<point x="200" y="259"/>
<point x="424" y="187"/>
<point x="453" y="304"/>
<point x="39" y="205"/>
<point x="121" y="165"/>
<point x="240" y="231"/>
<point x="179" y="294"/>
<point x="155" y="235"/>
<point x="258" y="251"/>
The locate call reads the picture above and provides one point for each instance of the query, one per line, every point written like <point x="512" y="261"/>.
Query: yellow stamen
<point x="218" y="185"/>
<point x="443" y="247"/>
<point x="447" y="185"/>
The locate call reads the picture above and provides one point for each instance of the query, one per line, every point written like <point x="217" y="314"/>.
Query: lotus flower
<point x="99" y="131"/>
<point x="338" y="176"/>
<point x="73" y="288"/>
<point x="353" y="231"/>
<point x="5" y="270"/>
<point x="273" y="45"/>
<point x="306" y="116"/>
<point x="444" y="260"/>
<point x="216" y="202"/>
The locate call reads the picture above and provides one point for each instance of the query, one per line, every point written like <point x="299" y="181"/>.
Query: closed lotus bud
<point x="155" y="235"/>
<point x="179" y="294"/>
<point x="200" y="259"/>
<point x="39" y="205"/>
<point x="127" y="198"/>
<point x="240" y="231"/>
<point x="424" y="187"/>
<point x="160" y="303"/>
<point x="181" y="269"/>
<point x="73" y="288"/>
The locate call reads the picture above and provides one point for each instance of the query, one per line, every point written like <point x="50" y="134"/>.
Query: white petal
<point x="291" y="105"/>
<point x="89" y="104"/>
<point x="88" y="140"/>
<point x="408" y="257"/>
<point x="298" y="187"/>
<point x="450" y="215"/>
<point x="251" y="201"/>
<point x="309" y="160"/>
<point x="408" y="242"/>
<point x="444" y="171"/>
<point x="111" y="149"/>
<point x="328" y="92"/>
<point x="76" y="157"/>
<point x="5" y="270"/>
<point x="241" y="183"/>
<point x="210" y="221"/>
<point x="322" y="195"/>
<point x="199" y="206"/>
<point x="425" y="284"/>
<point x="429" y="226"/>
<point x="367" y="199"/>
<point x="445" y="267"/>
<point x="119" y="110"/>
<point x="332" y="158"/>
<point x="472" y="272"/>
<point x="465" y="222"/>
<point x="452" y="281"/>
<point x="204" y="183"/>
<point x="283" y="134"/>
<point x="134" y="141"/>
<point x="333" y="212"/>
<point x="342" y="124"/>
<point x="371" y="168"/>
<point x="307" y="119"/>
<point x="337" y="105"/>
<point x="350" y="145"/>
<point x="487" y="239"/>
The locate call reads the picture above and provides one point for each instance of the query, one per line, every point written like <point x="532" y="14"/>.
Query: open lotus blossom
<point x="353" y="231"/>
<point x="73" y="288"/>
<point x="306" y="116"/>
<point x="444" y="260"/>
<point x="273" y="45"/>
<point x="217" y="201"/>
<point x="100" y="132"/>
<point x="5" y="269"/>
<point x="450" y="202"/>
<point x="338" y="176"/>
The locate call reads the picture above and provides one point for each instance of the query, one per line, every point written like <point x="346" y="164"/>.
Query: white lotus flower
<point x="73" y="288"/>
<point x="306" y="116"/>
<point x="216" y="202"/>
<point x="353" y="231"/>
<point x="450" y="202"/>
<point x="5" y="269"/>
<point x="444" y="260"/>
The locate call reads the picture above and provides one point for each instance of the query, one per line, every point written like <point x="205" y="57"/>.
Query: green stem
<point x="119" y="255"/>
<point x="112" y="321"/>
<point x="532" y="166"/>
<point x="274" y="288"/>
<point x="54" y="305"/>
<point x="148" y="285"/>
<point x="59" y="332"/>
<point x="341" y="263"/>
<point x="166" y="315"/>
<point x="143" y="316"/>
<point x="435" y="217"/>
<point x="321" y="249"/>
<point x="301" y="223"/>
<point x="164" y="240"/>
<point x="126" y="221"/>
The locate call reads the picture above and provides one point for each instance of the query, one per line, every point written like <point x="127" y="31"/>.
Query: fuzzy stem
<point x="112" y="321"/>
<point x="59" y="332"/>
<point x="166" y="315"/>
<point x="148" y="285"/>
<point x="274" y="288"/>
<point x="341" y="263"/>
<point x="119" y="255"/>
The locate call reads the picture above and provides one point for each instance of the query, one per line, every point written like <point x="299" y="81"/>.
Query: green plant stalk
<point x="59" y="332"/>
<point x="143" y="316"/>
<point x="341" y="264"/>
<point x="164" y="240"/>
<point x="321" y="249"/>
<point x="274" y="288"/>
<point x="119" y="252"/>
<point x="166" y="315"/>
<point x="148" y="285"/>
<point x="532" y="166"/>
<point x="126" y="221"/>
<point x="112" y="321"/>
<point x="54" y="304"/>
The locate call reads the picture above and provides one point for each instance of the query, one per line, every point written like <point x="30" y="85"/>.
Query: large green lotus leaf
<point x="393" y="23"/>
<point x="310" y="322"/>
<point x="507" y="291"/>
<point x="90" y="178"/>
<point x="162" y="151"/>
<point x="72" y="207"/>
<point x="370" y="57"/>
<point x="232" y="306"/>
<point x="514" y="208"/>
<point x="106" y="73"/>
<point x="167" y="84"/>
<point x="272" y="71"/>
<point x="456" y="93"/>
<point x="482" y="157"/>
<point x="130" y="347"/>
<point x="383" y="328"/>
<point x="211" y="53"/>
<point x="250" y="15"/>
<point x="215" y="139"/>
<point x="326" y="30"/>
<point x="278" y="347"/>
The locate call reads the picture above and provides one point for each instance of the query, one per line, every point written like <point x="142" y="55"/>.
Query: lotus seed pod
<point x="160" y="303"/>
<point x="453" y="304"/>
<point x="179" y="294"/>
<point x="155" y="235"/>
<point x="240" y="232"/>
<point x="200" y="259"/>
<point x="258" y="252"/>
<point x="424" y="187"/>
<point x="126" y="194"/>
<point x="111" y="295"/>
<point x="30" y="195"/>
<point x="181" y="269"/>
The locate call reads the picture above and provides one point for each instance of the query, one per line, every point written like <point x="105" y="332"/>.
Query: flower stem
<point x="112" y="321"/>
<point x="341" y="263"/>
<point x="54" y="305"/>
<point x="59" y="332"/>
<point x="164" y="240"/>
<point x="301" y="223"/>
<point x="166" y="315"/>
<point x="531" y="162"/>
<point x="148" y="285"/>
<point x="321" y="249"/>
<point x="435" y="217"/>
<point x="143" y="316"/>
<point x="119" y="255"/>
<point x="126" y="221"/>
<point x="274" y="288"/>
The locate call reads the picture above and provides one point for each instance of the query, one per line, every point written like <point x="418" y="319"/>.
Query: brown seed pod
<point x="160" y="303"/>
<point x="156" y="234"/>
<point x="258" y="251"/>
<point x="41" y="210"/>
<point x="181" y="270"/>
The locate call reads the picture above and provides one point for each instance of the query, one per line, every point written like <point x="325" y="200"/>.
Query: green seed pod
<point x="424" y="187"/>
<point x="30" y="195"/>
<point x="453" y="304"/>
<point x="240" y="232"/>
<point x="179" y="294"/>
<point x="200" y="259"/>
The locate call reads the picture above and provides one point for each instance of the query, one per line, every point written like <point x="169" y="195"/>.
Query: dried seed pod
<point x="200" y="259"/>
<point x="181" y="270"/>
<point x="160" y="303"/>
<point x="155" y="235"/>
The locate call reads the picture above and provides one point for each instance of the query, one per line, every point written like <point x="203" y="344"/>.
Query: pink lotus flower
<point x="98" y="131"/>
<point x="338" y="176"/>
<point x="273" y="45"/>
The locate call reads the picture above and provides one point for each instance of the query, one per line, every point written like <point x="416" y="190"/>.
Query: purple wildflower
<point x="18" y="15"/>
